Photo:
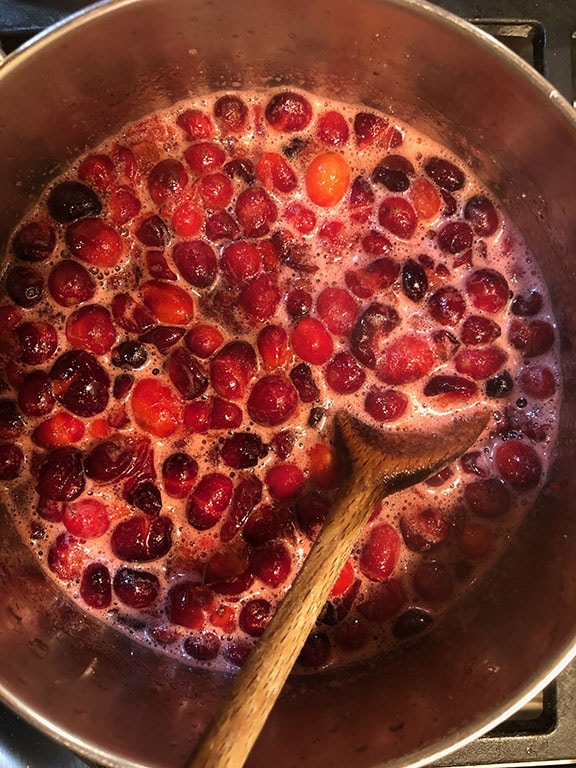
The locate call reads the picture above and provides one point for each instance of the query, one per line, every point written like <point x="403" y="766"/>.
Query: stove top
<point x="543" y="733"/>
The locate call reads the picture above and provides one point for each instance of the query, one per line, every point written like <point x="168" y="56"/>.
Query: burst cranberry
<point x="247" y="494"/>
<point x="202" y="646"/>
<point x="91" y="328"/>
<point x="66" y="557"/>
<point x="433" y="582"/>
<point x="288" y="112"/>
<point x="179" y="473"/>
<point x="34" y="241"/>
<point x="186" y="374"/>
<point x="38" y="341"/>
<point x="142" y="538"/>
<point x="86" y="518"/>
<point x="255" y="616"/>
<point x="94" y="242"/>
<point x="332" y="128"/>
<point x="25" y="286"/>
<point x="96" y="586"/>
<point x="376" y="244"/>
<point x="338" y="310"/>
<point x="537" y="381"/>
<point x="153" y="232"/>
<point x="81" y="384"/>
<point x="397" y="216"/>
<point x="203" y="340"/>
<point x="518" y="464"/>
<point x="155" y="407"/>
<point x="255" y="211"/>
<point x="488" y="290"/>
<point x="129" y="354"/>
<point x="302" y="219"/>
<point x="301" y="376"/>
<point x="166" y="180"/>
<point x="343" y="374"/>
<point x="241" y="169"/>
<point x="446" y="175"/>
<point x="481" y="213"/>
<point x="361" y="200"/>
<point x="60" y="475"/>
<point x="488" y="497"/>
<point x="272" y="563"/>
<point x="368" y="128"/>
<point x="205" y="156"/>
<point x="187" y="602"/>
<point x="480" y="363"/>
<point x="70" y="284"/>
<point x="425" y="198"/>
<point x="385" y="405"/>
<point x="196" y="124"/>
<point x="447" y="305"/>
<point x="71" y="200"/>
<point x="531" y="337"/>
<point x="316" y="651"/>
<point x="424" y="529"/>
<point x="450" y="388"/>
<point x="130" y="315"/>
<point x="376" y="276"/>
<point x="384" y="602"/>
<point x="228" y="564"/>
<point x="11" y="461"/>
<point x="527" y="304"/>
<point x="478" y="329"/>
<point x="209" y="500"/>
<point x="272" y="344"/>
<point x="275" y="173"/>
<point x="157" y="266"/>
<point x="242" y="450"/>
<point x="311" y="510"/>
<point x="123" y="205"/>
<point x="223" y="414"/>
<point x="455" y="237"/>
<point x="110" y="460"/>
<point x="232" y="368"/>
<point x="379" y="553"/>
<point x="373" y="326"/>
<point x="137" y="589"/>
<point x="35" y="395"/>
<point x="311" y="341"/>
<point x="260" y="298"/>
<point x="405" y="360"/>
<point x="163" y="337"/>
<point x="59" y="430"/>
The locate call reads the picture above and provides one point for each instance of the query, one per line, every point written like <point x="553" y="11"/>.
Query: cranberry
<point x="38" y="341"/>
<point x="272" y="563"/>
<point x="488" y="290"/>
<point x="481" y="214"/>
<point x="196" y="262"/>
<point x="81" y="384"/>
<point x="242" y="450"/>
<point x="538" y="381"/>
<point x="59" y="430"/>
<point x="241" y="261"/>
<point x="488" y="497"/>
<point x="373" y="325"/>
<point x="316" y="651"/>
<point x="267" y="522"/>
<point x="70" y="284"/>
<point x="208" y="501"/>
<point x="519" y="464"/>
<point x="379" y="553"/>
<point x="145" y="495"/>
<point x="246" y="496"/>
<point x="311" y="341"/>
<point x="203" y="340"/>
<point x="255" y="616"/>
<point x="166" y="180"/>
<point x="450" y="388"/>
<point x="272" y="344"/>
<point x="446" y="175"/>
<point x="397" y="216"/>
<point x="298" y="303"/>
<point x="385" y="405"/>
<point x="71" y="200"/>
<point x="338" y="310"/>
<point x="284" y="480"/>
<point x="272" y="401"/>
<point x="223" y="414"/>
<point x="237" y="652"/>
<point x="447" y="305"/>
<point x="343" y="374"/>
<point x="288" y="112"/>
<point x="157" y="266"/>
<point x="129" y="354"/>
<point x="414" y="280"/>
<point x="377" y="244"/>
<point x="186" y="374"/>
<point x="96" y="586"/>
<point x="424" y="529"/>
<point x="231" y="113"/>
<point x="179" y="472"/>
<point x="455" y="237"/>
<point x="405" y="360"/>
<point x="255" y="212"/>
<point x="187" y="602"/>
<point x="215" y="190"/>
<point x="153" y="232"/>
<point x="155" y="407"/>
<point x="478" y="329"/>
<point x="35" y="395"/>
<point x="60" y="475"/>
<point x="384" y="602"/>
<point x="97" y="171"/>
<point x="275" y="173"/>
<point x="368" y="127"/>
<point x="412" y="622"/>
<point x="301" y="376"/>
<point x="122" y="385"/>
<point x="302" y="219"/>
<point x="186" y="219"/>
<point x="202" y="646"/>
<point x="527" y="304"/>
<point x="474" y="463"/>
<point x="91" y="328"/>
<point x="481" y="362"/>
<point x="168" y="303"/>
<point x="531" y="337"/>
<point x="163" y="337"/>
<point x="283" y="443"/>
<point x="86" y="518"/>
<point x="433" y="582"/>
<point x="499" y="386"/>
<point x="123" y="205"/>
<point x="25" y="286"/>
<point x="11" y="461"/>
<point x="110" y="460"/>
<point x="242" y="169"/>
<point x="196" y="124"/>
<point x="130" y="315"/>
<point x="137" y="589"/>
<point x="361" y="200"/>
<point x="204" y="156"/>
<point x="142" y="538"/>
<point x="425" y="198"/>
<point x="376" y="276"/>
<point x="94" y="242"/>
<point x="394" y="172"/>
<point x="260" y="298"/>
<point x="66" y="557"/>
<point x="34" y="241"/>
<point x="232" y="369"/>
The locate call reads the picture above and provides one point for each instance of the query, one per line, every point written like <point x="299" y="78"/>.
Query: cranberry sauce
<point x="183" y="312"/>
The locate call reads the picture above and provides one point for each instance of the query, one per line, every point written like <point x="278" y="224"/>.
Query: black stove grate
<point x="543" y="733"/>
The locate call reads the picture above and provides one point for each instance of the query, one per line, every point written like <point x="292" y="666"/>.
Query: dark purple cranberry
<point x="163" y="337"/>
<point x="196" y="262"/>
<point x="288" y="112"/>
<point x="38" y="341"/>
<point x="231" y="112"/>
<point x="246" y="496"/>
<point x="11" y="422"/>
<point x="50" y="510"/>
<point x="411" y="622"/>
<point x="71" y="200"/>
<point x="179" y="472"/>
<point x="186" y="373"/>
<point x="316" y="651"/>
<point x="34" y="241"/>
<point x="447" y="305"/>
<point x="481" y="214"/>
<point x="81" y="383"/>
<point x="237" y="652"/>
<point x="202" y="646"/>
<point x="455" y="386"/>
<point x="122" y="385"/>
<point x="129" y="354"/>
<point x="446" y="175"/>
<point x="254" y="617"/>
<point x="527" y="304"/>
<point x="394" y="172"/>
<point x="11" y="461"/>
<point x="499" y="386"/>
<point x="153" y="232"/>
<point x="455" y="237"/>
<point x="414" y="280"/>
<point x="373" y="326"/>
<point x="141" y="538"/>
<point x="146" y="496"/>
<point x="25" y="286"/>
<point x="478" y="329"/>
<point x="220" y="226"/>
<point x="137" y="589"/>
<point x="240" y="169"/>
<point x="311" y="510"/>
<point x="35" y="395"/>
<point x="242" y="450"/>
<point x="298" y="303"/>
<point x="315" y="416"/>
<point x="95" y="586"/>
<point x="110" y="460"/>
<point x="61" y="475"/>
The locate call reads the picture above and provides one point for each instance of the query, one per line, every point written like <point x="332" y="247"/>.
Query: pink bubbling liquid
<point x="427" y="578"/>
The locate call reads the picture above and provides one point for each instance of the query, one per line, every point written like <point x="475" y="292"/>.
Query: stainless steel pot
<point x="116" y="702"/>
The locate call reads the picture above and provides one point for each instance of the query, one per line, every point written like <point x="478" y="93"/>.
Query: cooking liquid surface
<point x="243" y="268"/>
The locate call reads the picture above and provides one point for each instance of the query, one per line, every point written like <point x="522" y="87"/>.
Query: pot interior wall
<point x="115" y="701"/>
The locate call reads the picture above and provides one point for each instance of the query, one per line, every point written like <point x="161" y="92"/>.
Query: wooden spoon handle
<point x="229" y="739"/>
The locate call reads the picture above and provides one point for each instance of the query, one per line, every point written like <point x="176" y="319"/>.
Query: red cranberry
<point x="11" y="461"/>
<point x="527" y="304"/>
<point x="25" y="286"/>
<point x="231" y="113"/>
<point x="97" y="171"/>
<point x="129" y="354"/>
<point x="91" y="328"/>
<point x="338" y="310"/>
<point x="59" y="430"/>
<point x="455" y="237"/>
<point x="144" y="495"/>
<point x="376" y="244"/>
<point x="11" y="422"/>
<point x="242" y="450"/>
<point x="71" y="200"/>
<point x="196" y="262"/>
<point x="196" y="124"/>
<point x="241" y="261"/>
<point x="332" y="128"/>
<point x="66" y="557"/>
<point x="288" y="112"/>
<point x="275" y="173"/>
<point x="519" y="464"/>
<point x="284" y="480"/>
<point x="488" y="290"/>
<point x="96" y="586"/>
<point x="60" y="475"/>
<point x="379" y="553"/>
<point x="179" y="472"/>
<point x="187" y="602"/>
<point x="94" y="242"/>
<point x="34" y="241"/>
<point x="344" y="374"/>
<point x="110" y="460"/>
<point x="398" y="216"/>
<point x="123" y="205"/>
<point x="531" y="337"/>
<point x="232" y="369"/>
<point x="538" y="381"/>
<point x="446" y="175"/>
<point x="153" y="232"/>
<point x="255" y="212"/>
<point x="272" y="401"/>
<point x="208" y="501"/>
<point x="361" y="200"/>
<point x="433" y="582"/>
<point x="86" y="518"/>
<point x="142" y="538"/>
<point x="482" y="215"/>
<point x="237" y="652"/>
<point x="385" y="405"/>
<point x="203" y="340"/>
<point x="205" y="156"/>
<point x="35" y="395"/>
<point x="166" y="179"/>
<point x="272" y="563"/>
<point x="298" y="303"/>
<point x="447" y="305"/>
<point x="220" y="226"/>
<point x="424" y="529"/>
<point x="137" y="589"/>
<point x="272" y="344"/>
<point x="246" y="496"/>
<point x="70" y="284"/>
<point x="311" y="341"/>
<point x="488" y="497"/>
<point x="368" y="127"/>
<point x="481" y="362"/>
<point x="202" y="646"/>
<point x="80" y="382"/>
<point x="254" y="617"/>
<point x="215" y="190"/>
<point x="260" y="298"/>
<point x="38" y="341"/>
<point x="478" y="329"/>
<point x="157" y="266"/>
<point x="384" y="602"/>
<point x="405" y="360"/>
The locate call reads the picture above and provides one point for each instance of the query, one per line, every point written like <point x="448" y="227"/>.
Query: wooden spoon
<point x="376" y="463"/>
